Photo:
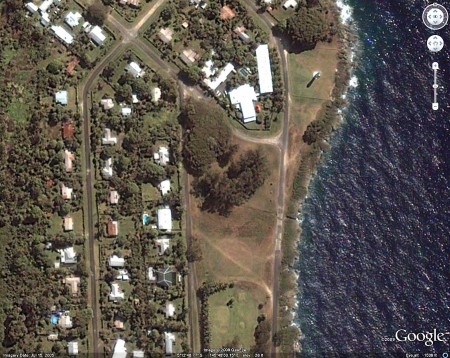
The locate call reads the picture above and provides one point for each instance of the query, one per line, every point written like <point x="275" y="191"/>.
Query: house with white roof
<point x="164" y="216"/>
<point x="45" y="5"/>
<point x="138" y="354"/>
<point x="66" y="192"/>
<point x="164" y="186"/>
<point x="169" y="339"/>
<point x="73" y="18"/>
<point x="113" y="197"/>
<point x="116" y="292"/>
<point x="222" y="77"/>
<point x="162" y="156"/>
<point x="61" y="97"/>
<point x="108" y="139"/>
<point x="72" y="348"/>
<point x="156" y="94"/>
<point x="264" y="70"/>
<point x="120" y="351"/>
<point x="73" y="283"/>
<point x="209" y="69"/>
<point x="107" y="103"/>
<point x="126" y="111"/>
<point x="170" y="309"/>
<point x="69" y="157"/>
<point x="163" y="243"/>
<point x="65" y="321"/>
<point x="123" y="275"/>
<point x="243" y="98"/>
<point x="290" y="4"/>
<point x="97" y="35"/>
<point x="68" y="223"/>
<point x="107" y="170"/>
<point x="45" y="19"/>
<point x="116" y="261"/>
<point x="68" y="255"/>
<point x="135" y="69"/>
<point x="151" y="274"/>
<point x="64" y="35"/>
<point x="31" y="7"/>
<point x="134" y="98"/>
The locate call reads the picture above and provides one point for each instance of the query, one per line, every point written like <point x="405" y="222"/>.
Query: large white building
<point x="120" y="351"/>
<point x="135" y="69"/>
<point x="116" y="261"/>
<point x="108" y="139"/>
<point x="97" y="35"/>
<point x="73" y="18"/>
<point x="164" y="219"/>
<point x="220" y="78"/>
<point x="68" y="255"/>
<point x="264" y="70"/>
<point x="243" y="98"/>
<point x="116" y="292"/>
<point x="107" y="170"/>
<point x="169" y="341"/>
<point x="64" y="35"/>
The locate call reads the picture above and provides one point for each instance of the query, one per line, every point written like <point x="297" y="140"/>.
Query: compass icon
<point x="435" y="16"/>
<point x="435" y="43"/>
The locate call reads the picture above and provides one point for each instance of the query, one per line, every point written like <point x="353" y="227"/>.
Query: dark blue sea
<point x="374" y="255"/>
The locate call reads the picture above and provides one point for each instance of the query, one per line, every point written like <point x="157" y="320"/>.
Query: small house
<point x="108" y="139"/>
<point x="170" y="309"/>
<point x="69" y="157"/>
<point x="227" y="13"/>
<point x="31" y="7"/>
<point x="164" y="216"/>
<point x="116" y="261"/>
<point x="163" y="244"/>
<point x="123" y="275"/>
<point x="61" y="33"/>
<point x="73" y="18"/>
<point x="169" y="339"/>
<point x="189" y="56"/>
<point x="112" y="228"/>
<point x="120" y="351"/>
<point x="113" y="197"/>
<point x="138" y="354"/>
<point x="73" y="283"/>
<point x="118" y="323"/>
<point x="125" y="111"/>
<point x="166" y="277"/>
<point x="116" y="292"/>
<point x="68" y="223"/>
<point x="135" y="70"/>
<point x="65" y="321"/>
<point x="72" y="348"/>
<point x="107" y="103"/>
<point x="68" y="255"/>
<point x="68" y="130"/>
<point x="156" y="94"/>
<point x="107" y="170"/>
<point x="162" y="156"/>
<point x="151" y="274"/>
<point x="66" y="192"/>
<point x="61" y="97"/>
<point x="97" y="35"/>
<point x="165" y="34"/>
<point x="290" y="4"/>
<point x="164" y="186"/>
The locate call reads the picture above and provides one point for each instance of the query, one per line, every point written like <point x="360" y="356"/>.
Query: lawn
<point x="150" y="193"/>
<point x="18" y="111"/>
<point x="236" y="319"/>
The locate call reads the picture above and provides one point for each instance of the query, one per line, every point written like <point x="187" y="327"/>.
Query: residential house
<point x="156" y="94"/>
<point x="113" y="197"/>
<point x="73" y="18"/>
<point x="45" y="19"/>
<point x="116" y="261"/>
<point x="73" y="283"/>
<point x="135" y="69"/>
<point x="66" y="192"/>
<point x="165" y="277"/>
<point x="45" y="5"/>
<point x="222" y="77"/>
<point x="125" y="111"/>
<point x="65" y="321"/>
<point x="72" y="348"/>
<point x="118" y="323"/>
<point x="123" y="275"/>
<point x="185" y="24"/>
<point x="112" y="228"/>
<point x="240" y="31"/>
<point x="164" y="216"/>
<point x="189" y="56"/>
<point x="120" y="351"/>
<point x="134" y="98"/>
<point x="151" y="274"/>
<point x="68" y="223"/>
<point x="227" y="13"/>
<point x="169" y="339"/>
<point x="116" y="292"/>
<point x="107" y="103"/>
<point x="163" y="243"/>
<point x="71" y="66"/>
<point x="170" y="309"/>
<point x="209" y="69"/>
<point x="164" y="186"/>
<point x="290" y="4"/>
<point x="107" y="170"/>
<point x="97" y="35"/>
<point x="108" y="139"/>
<point x="68" y="130"/>
<point x="61" y="33"/>
<point x="69" y="157"/>
<point x="138" y="354"/>
<point x="68" y="255"/>
<point x="162" y="156"/>
<point x="31" y="7"/>
<point x="61" y="97"/>
<point x="264" y="70"/>
<point x="243" y="98"/>
<point x="165" y="34"/>
<point x="52" y="337"/>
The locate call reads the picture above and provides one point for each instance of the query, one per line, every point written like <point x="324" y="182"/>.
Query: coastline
<point x="306" y="168"/>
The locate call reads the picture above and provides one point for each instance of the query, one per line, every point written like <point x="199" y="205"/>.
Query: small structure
<point x="73" y="19"/>
<point x="138" y="354"/>
<point x="123" y="275"/>
<point x="68" y="130"/>
<point x="68" y="223"/>
<point x="118" y="323"/>
<point x="107" y="170"/>
<point x="164" y="186"/>
<point x="64" y="35"/>
<point x="264" y="70"/>
<point x="116" y="261"/>
<point x="165" y="34"/>
<point x="125" y="111"/>
<point x="112" y="228"/>
<point x="162" y="156"/>
<point x="71" y="65"/>
<point x="151" y="274"/>
<point x="45" y="19"/>
<point x="222" y="77"/>
<point x="66" y="192"/>
<point x="116" y="292"/>
<point x="72" y="348"/>
<point x="243" y="98"/>
<point x="135" y="69"/>
<point x="107" y="103"/>
<point x="69" y="157"/>
<point x="189" y="56"/>
<point x="170" y="309"/>
<point x="169" y="339"/>
<point x="61" y="97"/>
<point x="120" y="351"/>
<point x="65" y="321"/>
<point x="209" y="69"/>
<point x="134" y="98"/>
<point x="113" y="197"/>
<point x="45" y="5"/>
<point x="240" y="31"/>
<point x="68" y="255"/>
<point x="290" y="4"/>
<point x="156" y="94"/>
<point x="164" y="219"/>
<point x="31" y="7"/>
<point x="165" y="277"/>
<point x="97" y="35"/>
<point x="108" y="139"/>
<point x="185" y="24"/>
<point x="52" y="337"/>
<point x="163" y="243"/>
<point x="73" y="283"/>
<point x="227" y="13"/>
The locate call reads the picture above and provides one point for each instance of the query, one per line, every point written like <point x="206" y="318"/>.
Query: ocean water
<point x="374" y="255"/>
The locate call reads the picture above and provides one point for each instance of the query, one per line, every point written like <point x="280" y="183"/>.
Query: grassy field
<point x="235" y="319"/>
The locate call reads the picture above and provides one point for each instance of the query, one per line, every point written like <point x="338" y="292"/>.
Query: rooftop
<point x="264" y="70"/>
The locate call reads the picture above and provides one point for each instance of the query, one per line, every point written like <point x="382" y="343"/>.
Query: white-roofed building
<point x="163" y="244"/>
<point x="68" y="255"/>
<point x="151" y="274"/>
<point x="264" y="70"/>
<point x="107" y="170"/>
<point x="97" y="35"/>
<point x="31" y="7"/>
<point x="66" y="192"/>
<point x="222" y="77"/>
<point x="72" y="348"/>
<point x="120" y="351"/>
<point x="170" y="309"/>
<point x="69" y="157"/>
<point x="138" y="354"/>
<point x="68" y="223"/>
<point x="108" y="139"/>
<point x="45" y="19"/>
<point x="113" y="197"/>
<point x="135" y="69"/>
<point x="123" y="275"/>
<point x="164" y="219"/>
<point x="164" y="186"/>
<point x="116" y="292"/>
<point x="107" y="103"/>
<point x="61" y="97"/>
<point x="209" y="69"/>
<point x="126" y="111"/>
<point x="162" y="156"/>
<point x="134" y="98"/>
<point x="64" y="35"/>
<point x="156" y="94"/>
<point x="65" y="321"/>
<point x="290" y="4"/>
<point x="169" y="339"/>
<point x="116" y="261"/>
<point x="45" y="5"/>
<point x="73" y="18"/>
<point x="243" y="98"/>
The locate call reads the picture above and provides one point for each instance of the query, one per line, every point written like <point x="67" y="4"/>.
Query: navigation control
<point x="435" y="16"/>
<point x="435" y="68"/>
<point x="435" y="43"/>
